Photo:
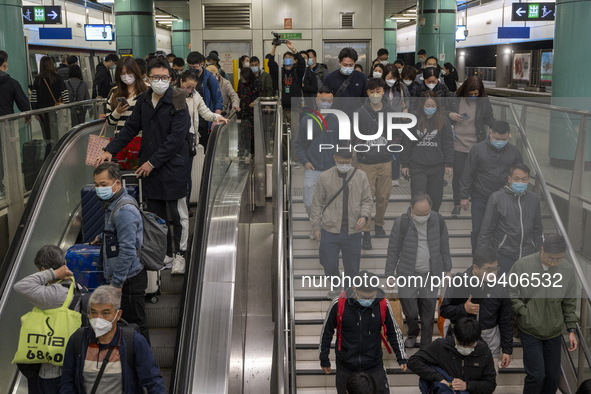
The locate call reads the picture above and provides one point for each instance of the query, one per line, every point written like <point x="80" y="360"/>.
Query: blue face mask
<point x="498" y="143"/>
<point x="310" y="62"/>
<point x="347" y="70"/>
<point x="254" y="69"/>
<point x="105" y="192"/>
<point x="519" y="187"/>
<point x="430" y="111"/>
<point x="288" y="61"/>
<point x="324" y="105"/>
<point x="365" y="303"/>
<point x="472" y="98"/>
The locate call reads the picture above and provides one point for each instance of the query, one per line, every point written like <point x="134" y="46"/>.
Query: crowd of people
<point x="174" y="102"/>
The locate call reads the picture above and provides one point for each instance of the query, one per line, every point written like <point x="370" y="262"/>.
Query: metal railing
<point x="26" y="138"/>
<point x="487" y="74"/>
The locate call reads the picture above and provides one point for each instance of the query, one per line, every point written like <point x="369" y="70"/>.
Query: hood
<point x="4" y="77"/>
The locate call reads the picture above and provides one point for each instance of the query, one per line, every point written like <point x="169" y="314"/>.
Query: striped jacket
<point x="42" y="97"/>
<point x="114" y="118"/>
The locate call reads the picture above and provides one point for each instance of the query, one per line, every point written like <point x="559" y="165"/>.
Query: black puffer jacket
<point x="477" y="369"/>
<point x="164" y="142"/>
<point x="484" y="115"/>
<point x="495" y="308"/>
<point x="361" y="346"/>
<point x="487" y="169"/>
<point x="402" y="261"/>
<point x="12" y="93"/>
<point x="512" y="223"/>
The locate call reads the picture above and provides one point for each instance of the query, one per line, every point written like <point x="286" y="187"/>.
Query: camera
<point x="436" y="27"/>
<point x="277" y="40"/>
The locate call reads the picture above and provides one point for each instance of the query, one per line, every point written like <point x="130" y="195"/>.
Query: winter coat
<point x="310" y="151"/>
<point x="103" y="81"/>
<point x="165" y="142"/>
<point x="12" y="93"/>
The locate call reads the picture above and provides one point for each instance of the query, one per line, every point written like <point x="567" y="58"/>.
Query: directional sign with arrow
<point x="533" y="12"/>
<point x="42" y="15"/>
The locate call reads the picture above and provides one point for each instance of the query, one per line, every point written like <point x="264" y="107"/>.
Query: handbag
<point x="45" y="333"/>
<point x="96" y="144"/>
<point x="129" y="157"/>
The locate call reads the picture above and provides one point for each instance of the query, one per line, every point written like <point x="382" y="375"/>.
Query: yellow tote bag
<point x="45" y="333"/>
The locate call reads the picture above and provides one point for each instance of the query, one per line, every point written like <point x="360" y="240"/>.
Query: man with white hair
<point x="109" y="356"/>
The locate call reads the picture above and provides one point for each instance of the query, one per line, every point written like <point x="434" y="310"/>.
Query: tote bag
<point x="96" y="143"/>
<point x="45" y="333"/>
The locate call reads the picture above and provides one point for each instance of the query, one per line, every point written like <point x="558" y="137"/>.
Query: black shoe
<point x="380" y="233"/>
<point x="366" y="241"/>
<point x="456" y="211"/>
<point x="410" y="342"/>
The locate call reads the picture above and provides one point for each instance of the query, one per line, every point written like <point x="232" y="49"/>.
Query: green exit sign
<point x="291" y="36"/>
<point x="533" y="12"/>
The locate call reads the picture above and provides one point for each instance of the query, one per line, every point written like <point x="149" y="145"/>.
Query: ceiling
<point x="397" y="6"/>
<point x="178" y="8"/>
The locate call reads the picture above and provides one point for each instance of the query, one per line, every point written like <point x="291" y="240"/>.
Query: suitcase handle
<point x="139" y="181"/>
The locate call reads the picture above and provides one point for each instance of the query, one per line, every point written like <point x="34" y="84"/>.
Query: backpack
<point x="341" y="310"/>
<point x="80" y="301"/>
<point x="153" y="249"/>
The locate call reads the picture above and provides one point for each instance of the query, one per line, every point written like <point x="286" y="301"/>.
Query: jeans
<point x="459" y="164"/>
<point x="309" y="187"/>
<point x="419" y="301"/>
<point x="478" y="209"/>
<point x="133" y="299"/>
<point x="541" y="361"/>
<point x="348" y="245"/>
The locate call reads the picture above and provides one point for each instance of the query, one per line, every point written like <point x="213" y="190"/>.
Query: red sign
<point x="287" y="23"/>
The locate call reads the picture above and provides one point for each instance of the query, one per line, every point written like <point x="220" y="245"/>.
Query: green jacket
<point x="542" y="311"/>
<point x="266" y="84"/>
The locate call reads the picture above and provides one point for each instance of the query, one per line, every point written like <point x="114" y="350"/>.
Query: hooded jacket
<point x="402" y="261"/>
<point x="495" y="308"/>
<point x="512" y="223"/>
<point x="487" y="169"/>
<point x="210" y="91"/>
<point x="361" y="346"/>
<point x="476" y="369"/>
<point x="103" y="81"/>
<point x="165" y="142"/>
<point x="12" y="93"/>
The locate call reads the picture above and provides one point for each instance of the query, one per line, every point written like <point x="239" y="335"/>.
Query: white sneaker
<point x="178" y="265"/>
<point x="168" y="261"/>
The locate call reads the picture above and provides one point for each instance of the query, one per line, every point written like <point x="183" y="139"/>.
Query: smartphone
<point x="465" y="116"/>
<point x="122" y="100"/>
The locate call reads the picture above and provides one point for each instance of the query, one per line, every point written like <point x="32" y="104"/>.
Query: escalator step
<point x="163" y="345"/>
<point x="164" y="313"/>
<point x="171" y="283"/>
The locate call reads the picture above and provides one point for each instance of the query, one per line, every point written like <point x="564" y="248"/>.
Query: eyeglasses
<point x="553" y="259"/>
<point x="156" y="78"/>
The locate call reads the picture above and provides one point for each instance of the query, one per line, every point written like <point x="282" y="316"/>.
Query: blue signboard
<point x="55" y="33"/>
<point x="513" y="32"/>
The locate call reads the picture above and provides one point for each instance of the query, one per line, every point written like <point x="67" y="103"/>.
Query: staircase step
<point x="374" y="263"/>
<point x="464" y="223"/>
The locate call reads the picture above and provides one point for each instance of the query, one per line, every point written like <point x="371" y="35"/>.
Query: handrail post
<point x="575" y="205"/>
<point x="11" y="161"/>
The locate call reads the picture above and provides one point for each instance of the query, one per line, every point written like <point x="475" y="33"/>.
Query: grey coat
<point x="402" y="261"/>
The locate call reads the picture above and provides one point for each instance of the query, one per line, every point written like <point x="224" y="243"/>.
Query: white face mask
<point x="420" y="219"/>
<point x="377" y="74"/>
<point x="344" y="167"/>
<point x="128" y="79"/>
<point x="384" y="62"/>
<point x="170" y="64"/>
<point x="101" y="326"/>
<point x="431" y="86"/>
<point x="160" y="87"/>
<point x="246" y="64"/>
<point x="375" y="98"/>
<point x="390" y="82"/>
<point x="407" y="82"/>
<point x="463" y="350"/>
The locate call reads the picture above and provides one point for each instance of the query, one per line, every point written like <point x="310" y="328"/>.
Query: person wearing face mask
<point x="489" y="304"/>
<point x="248" y="91"/>
<point x="319" y="69"/>
<point x="418" y="246"/>
<point x="309" y="83"/>
<point x="356" y="317"/>
<point x="470" y="113"/>
<point x="399" y="64"/>
<point x="377" y="71"/>
<point x="130" y="365"/>
<point x="48" y="289"/>
<point x="543" y="312"/>
<point x="341" y="208"/>
<point x="408" y="76"/>
<point x="432" y="82"/>
<point x="229" y="95"/>
<point x="450" y="76"/>
<point x="243" y="61"/>
<point x="263" y="77"/>
<point x="383" y="55"/>
<point x="346" y="82"/>
<point x="103" y="80"/>
<point x="485" y="171"/>
<point x="162" y="116"/>
<point x="128" y="85"/>
<point x="429" y="159"/>
<point x="462" y="362"/>
<point x="513" y="220"/>
<point x="376" y="161"/>
<point x="422" y="58"/>
<point x="122" y="236"/>
<point x="314" y="159"/>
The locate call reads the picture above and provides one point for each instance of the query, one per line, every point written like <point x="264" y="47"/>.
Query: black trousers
<point x="459" y="164"/>
<point x="133" y="299"/>
<point x="168" y="210"/>
<point x="203" y="131"/>
<point x="428" y="179"/>
<point x="541" y="361"/>
<point x="378" y="374"/>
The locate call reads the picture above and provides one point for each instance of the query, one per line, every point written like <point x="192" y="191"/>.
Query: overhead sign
<point x="533" y="12"/>
<point x="513" y="32"/>
<point x="42" y="15"/>
<point x="126" y="52"/>
<point x="55" y="33"/>
<point x="98" y="32"/>
<point x="287" y="23"/>
<point x="291" y="36"/>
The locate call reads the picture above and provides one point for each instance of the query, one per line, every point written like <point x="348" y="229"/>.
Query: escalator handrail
<point x="37" y="192"/>
<point x="183" y="370"/>
<point x="41" y="111"/>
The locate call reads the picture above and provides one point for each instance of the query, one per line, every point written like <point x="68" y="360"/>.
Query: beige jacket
<point x="229" y="95"/>
<point x="197" y="108"/>
<point x="360" y="201"/>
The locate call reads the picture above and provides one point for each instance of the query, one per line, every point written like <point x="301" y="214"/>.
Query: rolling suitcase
<point x="153" y="288"/>
<point x="93" y="213"/>
<point x="83" y="261"/>
<point x="34" y="154"/>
